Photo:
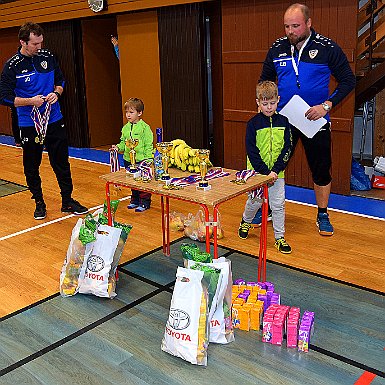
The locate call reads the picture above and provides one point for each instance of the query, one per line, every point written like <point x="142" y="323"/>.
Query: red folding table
<point x="222" y="190"/>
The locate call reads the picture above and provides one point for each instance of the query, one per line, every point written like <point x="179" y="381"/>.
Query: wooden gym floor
<point x="47" y="339"/>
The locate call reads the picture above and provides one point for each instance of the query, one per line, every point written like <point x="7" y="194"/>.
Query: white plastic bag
<point x="220" y="325"/>
<point x="73" y="263"/>
<point x="186" y="332"/>
<point x="95" y="277"/>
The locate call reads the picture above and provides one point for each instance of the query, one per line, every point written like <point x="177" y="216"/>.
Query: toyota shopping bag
<point x="186" y="332"/>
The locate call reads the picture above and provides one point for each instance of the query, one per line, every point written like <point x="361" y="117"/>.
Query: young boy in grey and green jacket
<point x="268" y="146"/>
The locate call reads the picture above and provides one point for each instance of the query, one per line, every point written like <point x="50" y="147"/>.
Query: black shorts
<point x="318" y="153"/>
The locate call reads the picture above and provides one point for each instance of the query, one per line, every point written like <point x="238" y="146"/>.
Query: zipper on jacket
<point x="271" y="143"/>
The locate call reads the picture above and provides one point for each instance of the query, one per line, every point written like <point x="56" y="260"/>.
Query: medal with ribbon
<point x="114" y="166"/>
<point x="179" y="183"/>
<point x="242" y="176"/>
<point x="41" y="122"/>
<point x="145" y="170"/>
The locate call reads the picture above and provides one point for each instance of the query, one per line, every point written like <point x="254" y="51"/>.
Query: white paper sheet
<point x="295" y="111"/>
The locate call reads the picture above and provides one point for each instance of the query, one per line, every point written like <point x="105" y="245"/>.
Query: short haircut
<point x="303" y="8"/>
<point x="28" y="28"/>
<point x="135" y="103"/>
<point x="267" y="90"/>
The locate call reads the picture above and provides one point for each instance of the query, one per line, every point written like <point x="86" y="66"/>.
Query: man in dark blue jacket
<point x="303" y="62"/>
<point x="32" y="82"/>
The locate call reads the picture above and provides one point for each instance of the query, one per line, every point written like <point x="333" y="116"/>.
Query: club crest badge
<point x="313" y="53"/>
<point x="44" y="64"/>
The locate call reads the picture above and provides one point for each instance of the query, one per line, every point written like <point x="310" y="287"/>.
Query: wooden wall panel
<point x="8" y="47"/>
<point x="139" y="62"/>
<point x="16" y="13"/>
<point x="63" y="39"/>
<point x="248" y="30"/>
<point x="183" y="80"/>
<point x="102" y="81"/>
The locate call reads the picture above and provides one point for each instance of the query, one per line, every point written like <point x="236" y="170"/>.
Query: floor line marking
<point x="365" y="379"/>
<point x="51" y="222"/>
<point x="287" y="200"/>
<point x="78" y="333"/>
<point x="336" y="210"/>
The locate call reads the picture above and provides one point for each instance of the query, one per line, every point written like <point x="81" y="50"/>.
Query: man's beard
<point x="294" y="40"/>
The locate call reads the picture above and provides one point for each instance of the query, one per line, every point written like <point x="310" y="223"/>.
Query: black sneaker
<point x="282" y="246"/>
<point x="74" y="207"/>
<point x="243" y="231"/>
<point x="40" y="211"/>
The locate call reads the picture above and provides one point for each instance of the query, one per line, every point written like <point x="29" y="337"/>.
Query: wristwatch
<point x="58" y="94"/>
<point x="326" y="106"/>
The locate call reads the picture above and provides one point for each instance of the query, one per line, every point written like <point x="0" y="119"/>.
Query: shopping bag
<point x="79" y="248"/>
<point x="95" y="278"/>
<point x="220" y="325"/>
<point x="186" y="331"/>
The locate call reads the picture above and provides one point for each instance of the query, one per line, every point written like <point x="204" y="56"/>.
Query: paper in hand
<point x="295" y="110"/>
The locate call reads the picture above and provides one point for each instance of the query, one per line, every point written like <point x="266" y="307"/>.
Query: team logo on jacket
<point x="178" y="319"/>
<point x="313" y="53"/>
<point x="44" y="64"/>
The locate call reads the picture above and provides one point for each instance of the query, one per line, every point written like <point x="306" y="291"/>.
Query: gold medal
<point x="37" y="140"/>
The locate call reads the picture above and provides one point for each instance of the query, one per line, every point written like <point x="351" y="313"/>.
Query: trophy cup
<point x="131" y="144"/>
<point x="165" y="148"/>
<point x="203" y="156"/>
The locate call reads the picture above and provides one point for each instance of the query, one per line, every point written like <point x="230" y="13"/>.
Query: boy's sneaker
<point x="40" y="211"/>
<point x="282" y="246"/>
<point x="132" y="206"/>
<point x="243" y="231"/>
<point x="141" y="208"/>
<point x="257" y="220"/>
<point x="324" y="225"/>
<point x="73" y="207"/>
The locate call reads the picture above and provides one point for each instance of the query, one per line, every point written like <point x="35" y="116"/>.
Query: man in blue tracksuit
<point x="32" y="82"/>
<point x="303" y="62"/>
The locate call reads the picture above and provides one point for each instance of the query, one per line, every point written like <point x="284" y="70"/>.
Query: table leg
<point x="263" y="238"/>
<point x="108" y="201"/>
<point x="215" y="231"/>
<point x="167" y="217"/>
<point x="207" y="223"/>
<point x="163" y="224"/>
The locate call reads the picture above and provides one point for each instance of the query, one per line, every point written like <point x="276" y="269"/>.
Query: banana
<point x="197" y="169"/>
<point x="192" y="152"/>
<point x="175" y="142"/>
<point x="190" y="168"/>
<point x="186" y="152"/>
<point x="183" y="166"/>
<point x="181" y="148"/>
<point x="177" y="156"/>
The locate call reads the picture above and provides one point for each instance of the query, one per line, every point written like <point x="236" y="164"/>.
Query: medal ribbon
<point x="194" y="178"/>
<point x="114" y="162"/>
<point x="41" y="121"/>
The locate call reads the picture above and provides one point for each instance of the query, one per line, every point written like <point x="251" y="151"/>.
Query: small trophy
<point x="165" y="148"/>
<point x="131" y="144"/>
<point x="203" y="156"/>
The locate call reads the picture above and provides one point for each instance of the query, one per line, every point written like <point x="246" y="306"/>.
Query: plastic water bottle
<point x="158" y="169"/>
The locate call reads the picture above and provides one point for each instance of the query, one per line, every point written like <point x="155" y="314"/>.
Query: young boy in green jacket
<point x="268" y="145"/>
<point x="136" y="128"/>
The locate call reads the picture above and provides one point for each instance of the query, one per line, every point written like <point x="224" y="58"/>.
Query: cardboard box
<point x="378" y="181"/>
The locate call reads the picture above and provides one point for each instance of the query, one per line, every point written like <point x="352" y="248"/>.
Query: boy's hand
<point x="274" y="176"/>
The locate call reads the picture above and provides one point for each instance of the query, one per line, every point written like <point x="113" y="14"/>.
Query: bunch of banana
<point x="184" y="157"/>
